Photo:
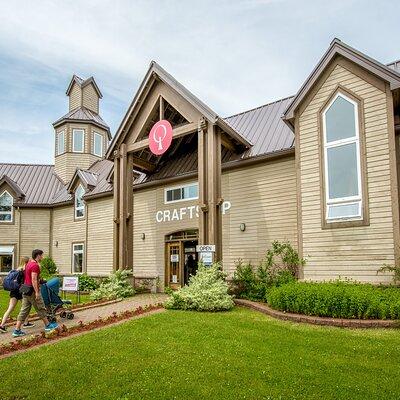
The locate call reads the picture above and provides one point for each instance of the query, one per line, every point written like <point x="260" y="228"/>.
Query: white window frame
<point x="73" y="140"/>
<point x="338" y="143"/>
<point x="94" y="144"/>
<point x="7" y="254"/>
<point x="83" y="257"/>
<point x="79" y="208"/>
<point x="166" y="190"/>
<point x="11" y="212"/>
<point x="59" y="134"/>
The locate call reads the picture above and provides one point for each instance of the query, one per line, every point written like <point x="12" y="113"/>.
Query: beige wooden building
<point x="319" y="169"/>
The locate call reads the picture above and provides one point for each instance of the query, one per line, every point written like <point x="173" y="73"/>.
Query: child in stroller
<point x="53" y="302"/>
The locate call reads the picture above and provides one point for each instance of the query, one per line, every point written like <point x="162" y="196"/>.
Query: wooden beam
<point x="161" y="108"/>
<point x="202" y="180"/>
<point x="129" y="197"/>
<point x="122" y="208"/>
<point x="116" y="185"/>
<point x="227" y="144"/>
<point x="143" y="164"/>
<point x="180" y="131"/>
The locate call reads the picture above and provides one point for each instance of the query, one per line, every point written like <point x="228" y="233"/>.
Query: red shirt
<point x="32" y="266"/>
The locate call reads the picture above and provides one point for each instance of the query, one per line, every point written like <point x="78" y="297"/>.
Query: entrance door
<point x="174" y="265"/>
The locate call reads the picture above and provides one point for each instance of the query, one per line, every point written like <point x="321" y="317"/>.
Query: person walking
<point x="15" y="295"/>
<point x="31" y="296"/>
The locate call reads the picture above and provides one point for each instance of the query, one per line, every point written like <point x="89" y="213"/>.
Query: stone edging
<point x="310" y="319"/>
<point x="78" y="307"/>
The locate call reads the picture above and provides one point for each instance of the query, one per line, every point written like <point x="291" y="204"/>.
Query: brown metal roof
<point x="83" y="114"/>
<point x="39" y="183"/>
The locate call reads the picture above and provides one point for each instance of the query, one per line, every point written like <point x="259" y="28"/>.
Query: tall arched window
<point x="6" y="207"/>
<point x="79" y="203"/>
<point x="342" y="169"/>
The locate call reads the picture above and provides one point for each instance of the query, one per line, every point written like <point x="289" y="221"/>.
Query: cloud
<point x="233" y="55"/>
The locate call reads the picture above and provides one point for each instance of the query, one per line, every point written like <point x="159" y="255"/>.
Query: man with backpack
<point x="31" y="295"/>
<point x="12" y="282"/>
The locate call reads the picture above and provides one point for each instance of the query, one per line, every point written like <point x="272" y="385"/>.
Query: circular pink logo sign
<point x="160" y="137"/>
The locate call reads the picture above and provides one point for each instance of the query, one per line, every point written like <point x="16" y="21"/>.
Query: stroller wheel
<point x="63" y="314"/>
<point x="70" y="316"/>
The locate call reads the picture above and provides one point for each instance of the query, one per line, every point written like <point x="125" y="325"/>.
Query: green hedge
<point x="337" y="299"/>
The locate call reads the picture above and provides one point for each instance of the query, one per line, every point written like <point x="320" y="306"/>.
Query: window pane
<point x="6" y="262"/>
<point x="78" y="262"/>
<point x="340" y="120"/>
<point x="61" y="143"/>
<point x="79" y="202"/>
<point x="176" y="194"/>
<point x="78" y="140"/>
<point x="344" y="210"/>
<point x="6" y="202"/>
<point x="5" y="217"/>
<point x="190" y="192"/>
<point x="169" y="195"/>
<point x="342" y="171"/>
<point x="98" y="145"/>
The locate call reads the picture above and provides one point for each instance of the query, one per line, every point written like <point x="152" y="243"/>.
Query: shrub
<point x="280" y="266"/>
<point x="337" y="299"/>
<point x="87" y="283"/>
<point x="206" y="291"/>
<point x="115" y="286"/>
<point x="391" y="268"/>
<point x="48" y="268"/>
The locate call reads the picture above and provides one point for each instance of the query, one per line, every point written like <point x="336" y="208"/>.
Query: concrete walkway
<point x="93" y="313"/>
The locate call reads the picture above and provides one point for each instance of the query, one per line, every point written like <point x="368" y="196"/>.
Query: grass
<point x="5" y="298"/>
<point x="240" y="354"/>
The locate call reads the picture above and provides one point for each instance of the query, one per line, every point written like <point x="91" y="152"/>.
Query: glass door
<point x="174" y="265"/>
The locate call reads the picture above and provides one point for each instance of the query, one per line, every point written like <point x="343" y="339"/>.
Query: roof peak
<point x="82" y="83"/>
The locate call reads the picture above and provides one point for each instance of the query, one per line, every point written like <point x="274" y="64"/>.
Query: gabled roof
<point x="337" y="47"/>
<point x="13" y="185"/>
<point x="83" y="114"/>
<point x="87" y="178"/>
<point x="39" y="183"/>
<point x="156" y="70"/>
<point x="82" y="83"/>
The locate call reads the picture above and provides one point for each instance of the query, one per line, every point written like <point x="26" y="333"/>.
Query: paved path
<point x="93" y="313"/>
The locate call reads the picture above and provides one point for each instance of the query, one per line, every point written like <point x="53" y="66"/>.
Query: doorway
<point x="181" y="258"/>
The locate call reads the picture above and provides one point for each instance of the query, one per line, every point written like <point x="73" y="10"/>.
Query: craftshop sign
<point x="160" y="137"/>
<point x="179" y="214"/>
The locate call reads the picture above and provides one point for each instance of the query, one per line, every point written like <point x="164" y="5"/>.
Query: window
<point x="6" y="207"/>
<point x="79" y="203"/>
<point x="78" y="140"/>
<point x="60" y="143"/>
<point x="343" y="190"/>
<point x="78" y="257"/>
<point x="182" y="193"/>
<point x="6" y="258"/>
<point x="97" y="144"/>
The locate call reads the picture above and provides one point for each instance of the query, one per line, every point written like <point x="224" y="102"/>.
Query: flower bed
<point x="63" y="331"/>
<point x="337" y="300"/>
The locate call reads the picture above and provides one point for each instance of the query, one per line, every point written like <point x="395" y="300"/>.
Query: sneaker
<point x="51" y="326"/>
<point x="18" y="333"/>
<point x="3" y="329"/>
<point x="28" y="325"/>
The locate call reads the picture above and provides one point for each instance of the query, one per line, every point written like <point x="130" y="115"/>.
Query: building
<point x="319" y="169"/>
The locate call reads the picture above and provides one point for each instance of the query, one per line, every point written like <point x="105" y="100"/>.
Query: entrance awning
<point x="6" y="250"/>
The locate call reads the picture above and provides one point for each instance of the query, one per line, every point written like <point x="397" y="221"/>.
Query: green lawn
<point x="240" y="354"/>
<point x="5" y="297"/>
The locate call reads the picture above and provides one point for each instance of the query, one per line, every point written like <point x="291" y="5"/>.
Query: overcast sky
<point x="234" y="55"/>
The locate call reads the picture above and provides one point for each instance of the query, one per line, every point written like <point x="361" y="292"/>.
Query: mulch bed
<point x="63" y="331"/>
<point x="310" y="319"/>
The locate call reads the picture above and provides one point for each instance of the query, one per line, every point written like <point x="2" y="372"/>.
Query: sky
<point x="234" y="55"/>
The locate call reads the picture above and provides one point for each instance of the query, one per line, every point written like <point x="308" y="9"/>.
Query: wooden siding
<point x="100" y="237"/>
<point x="354" y="252"/>
<point x="90" y="98"/>
<point x="264" y="198"/>
<point x="75" y="97"/>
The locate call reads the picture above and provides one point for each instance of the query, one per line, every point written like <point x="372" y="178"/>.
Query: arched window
<point x="6" y="207"/>
<point x="79" y="203"/>
<point x="342" y="170"/>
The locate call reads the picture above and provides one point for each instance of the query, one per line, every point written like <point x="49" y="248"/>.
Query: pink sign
<point x="160" y="137"/>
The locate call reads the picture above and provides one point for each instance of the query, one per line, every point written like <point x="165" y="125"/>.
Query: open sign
<point x="160" y="137"/>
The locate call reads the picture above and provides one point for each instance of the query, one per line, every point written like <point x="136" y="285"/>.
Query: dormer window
<point x="78" y="140"/>
<point x="98" y="144"/>
<point x="79" y="203"/>
<point x="60" y="143"/>
<point x="6" y="207"/>
<point x="341" y="140"/>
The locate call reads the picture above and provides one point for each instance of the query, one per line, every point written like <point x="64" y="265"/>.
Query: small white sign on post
<point x="70" y="284"/>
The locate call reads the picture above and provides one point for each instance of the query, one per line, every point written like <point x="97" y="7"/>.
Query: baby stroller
<point x="53" y="302"/>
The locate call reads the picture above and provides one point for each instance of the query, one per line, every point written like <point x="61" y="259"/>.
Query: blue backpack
<point x="13" y="280"/>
